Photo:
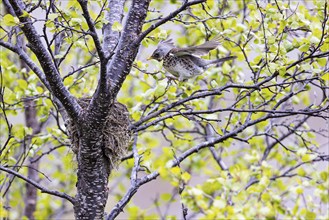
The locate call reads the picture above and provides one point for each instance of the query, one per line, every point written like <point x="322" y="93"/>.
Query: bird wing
<point x="196" y="60"/>
<point x="167" y="43"/>
<point x="199" y="50"/>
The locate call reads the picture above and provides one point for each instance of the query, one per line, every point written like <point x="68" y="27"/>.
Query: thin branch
<point x="202" y="94"/>
<point x="46" y="62"/>
<point x="306" y="111"/>
<point x="133" y="183"/>
<point x="292" y="131"/>
<point x="319" y="158"/>
<point x="319" y="55"/>
<point x="228" y="15"/>
<point x="80" y="69"/>
<point x="38" y="186"/>
<point x="92" y="29"/>
<point x="218" y="159"/>
<point x="173" y="14"/>
<point x="34" y="67"/>
<point x="100" y="100"/>
<point x="33" y="160"/>
<point x="137" y="158"/>
<point x="28" y="61"/>
<point x="133" y="189"/>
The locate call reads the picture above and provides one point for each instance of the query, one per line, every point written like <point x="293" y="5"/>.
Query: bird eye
<point x="156" y="55"/>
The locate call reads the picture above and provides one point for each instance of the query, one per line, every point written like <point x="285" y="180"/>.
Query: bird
<point x="185" y="63"/>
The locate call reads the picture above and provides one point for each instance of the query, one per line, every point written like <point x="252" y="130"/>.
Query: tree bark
<point x="93" y="173"/>
<point x="93" y="167"/>
<point x="31" y="121"/>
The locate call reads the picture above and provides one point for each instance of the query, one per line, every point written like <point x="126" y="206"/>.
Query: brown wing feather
<point x="168" y="43"/>
<point x="199" y="50"/>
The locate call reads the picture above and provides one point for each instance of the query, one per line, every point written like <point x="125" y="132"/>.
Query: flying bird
<point x="185" y="63"/>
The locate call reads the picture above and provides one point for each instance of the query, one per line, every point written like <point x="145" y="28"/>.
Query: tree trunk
<point x="93" y="173"/>
<point x="31" y="192"/>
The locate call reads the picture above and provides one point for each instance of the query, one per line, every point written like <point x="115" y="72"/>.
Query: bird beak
<point x="150" y="58"/>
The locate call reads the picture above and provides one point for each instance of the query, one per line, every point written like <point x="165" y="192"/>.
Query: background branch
<point x="45" y="60"/>
<point x="173" y="14"/>
<point x="38" y="186"/>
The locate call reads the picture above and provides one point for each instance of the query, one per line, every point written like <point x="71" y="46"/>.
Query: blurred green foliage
<point x="278" y="32"/>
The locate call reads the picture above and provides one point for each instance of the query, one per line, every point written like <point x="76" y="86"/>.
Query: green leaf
<point x="159" y="90"/>
<point x="226" y="68"/>
<point x="288" y="46"/>
<point x="310" y="215"/>
<point x="266" y="197"/>
<point x="22" y="84"/>
<point x="301" y="172"/>
<point x="219" y="203"/>
<point x="76" y="21"/>
<point x="324" y="175"/>
<point x="308" y="157"/>
<point x="299" y="190"/>
<point x="213" y="84"/>
<point x="175" y="170"/>
<point x="163" y="35"/>
<point x="186" y="177"/>
<point x="273" y="67"/>
<point x="116" y="26"/>
<point x="314" y="40"/>
<point x="304" y="47"/>
<point x="322" y="61"/>
<point x="52" y="16"/>
<point x="25" y="14"/>
<point x="325" y="77"/>
<point x="8" y="94"/>
<point x="10" y="20"/>
<point x="166" y="197"/>
<point x="282" y="70"/>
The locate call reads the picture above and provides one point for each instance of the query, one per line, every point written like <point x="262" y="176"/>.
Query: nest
<point x="115" y="133"/>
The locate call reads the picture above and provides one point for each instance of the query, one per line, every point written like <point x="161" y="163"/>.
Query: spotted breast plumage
<point x="184" y="63"/>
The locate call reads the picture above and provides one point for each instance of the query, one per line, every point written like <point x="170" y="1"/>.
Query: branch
<point x="101" y="98"/>
<point x="319" y="158"/>
<point x="133" y="189"/>
<point x="9" y="46"/>
<point x="127" y="48"/>
<point x="53" y="77"/>
<point x="292" y="131"/>
<point x="201" y="94"/>
<point x="133" y="181"/>
<point x="319" y="55"/>
<point x="92" y="29"/>
<point x="35" y="159"/>
<point x="167" y="18"/>
<point x="80" y="69"/>
<point x="197" y="20"/>
<point x="307" y="111"/>
<point x="38" y="186"/>
<point x="209" y="136"/>
<point x="114" y="14"/>
<point x="28" y="61"/>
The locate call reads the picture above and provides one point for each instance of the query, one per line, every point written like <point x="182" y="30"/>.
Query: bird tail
<point x="221" y="60"/>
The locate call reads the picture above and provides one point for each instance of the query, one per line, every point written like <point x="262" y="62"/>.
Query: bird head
<point x="158" y="54"/>
<point x="163" y="49"/>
